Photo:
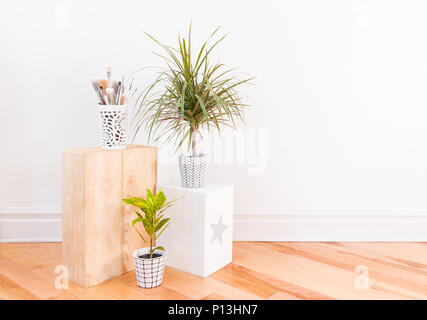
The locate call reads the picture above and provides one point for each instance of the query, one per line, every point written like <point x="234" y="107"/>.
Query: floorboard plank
<point x="198" y="288"/>
<point x="9" y="290"/>
<point x="240" y="277"/>
<point x="39" y="250"/>
<point x="161" y="292"/>
<point x="378" y="269"/>
<point x="280" y="295"/>
<point x="260" y="270"/>
<point x="46" y="271"/>
<point x="320" y="277"/>
<point x="25" y="278"/>
<point x="278" y="285"/>
<point x="390" y="273"/>
<point x="215" y="296"/>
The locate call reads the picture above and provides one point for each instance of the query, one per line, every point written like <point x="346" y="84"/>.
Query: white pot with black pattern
<point x="193" y="170"/>
<point x="149" y="271"/>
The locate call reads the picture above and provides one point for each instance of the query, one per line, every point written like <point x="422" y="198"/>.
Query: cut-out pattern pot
<point x="113" y="126"/>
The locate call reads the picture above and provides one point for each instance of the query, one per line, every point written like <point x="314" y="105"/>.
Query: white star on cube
<point x="218" y="230"/>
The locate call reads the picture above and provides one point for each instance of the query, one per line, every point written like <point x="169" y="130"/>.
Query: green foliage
<point x="152" y="217"/>
<point x="191" y="93"/>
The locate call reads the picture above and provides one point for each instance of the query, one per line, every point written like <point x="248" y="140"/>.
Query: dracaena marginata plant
<point x="152" y="217"/>
<point x="190" y="94"/>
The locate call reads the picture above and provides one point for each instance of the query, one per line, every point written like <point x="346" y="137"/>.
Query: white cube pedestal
<point x="199" y="239"/>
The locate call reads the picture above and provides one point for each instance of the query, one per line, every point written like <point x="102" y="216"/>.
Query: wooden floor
<point x="260" y="270"/>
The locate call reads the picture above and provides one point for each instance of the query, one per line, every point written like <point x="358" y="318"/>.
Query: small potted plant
<point x="189" y="95"/>
<point x="150" y="261"/>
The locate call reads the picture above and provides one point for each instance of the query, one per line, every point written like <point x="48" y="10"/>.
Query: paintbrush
<point x="116" y="89"/>
<point x="95" y="85"/>
<point x="119" y="89"/>
<point x="99" y="91"/>
<point x="109" y="70"/>
<point x="110" y="95"/>
<point x="123" y="85"/>
<point x="101" y="97"/>
<point x="122" y="99"/>
<point x="104" y="84"/>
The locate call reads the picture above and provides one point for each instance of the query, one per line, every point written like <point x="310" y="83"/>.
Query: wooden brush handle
<point x="104" y="84"/>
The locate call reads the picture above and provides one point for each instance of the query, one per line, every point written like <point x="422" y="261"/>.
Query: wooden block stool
<point x="98" y="238"/>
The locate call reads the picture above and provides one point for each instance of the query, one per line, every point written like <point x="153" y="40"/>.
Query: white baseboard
<point x="318" y="226"/>
<point x="44" y="225"/>
<point x="30" y="225"/>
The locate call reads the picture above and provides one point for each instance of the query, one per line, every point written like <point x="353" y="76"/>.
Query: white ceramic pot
<point x="113" y="126"/>
<point x="149" y="272"/>
<point x="193" y="170"/>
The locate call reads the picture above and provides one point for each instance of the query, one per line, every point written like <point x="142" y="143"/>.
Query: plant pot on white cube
<point x="193" y="170"/>
<point x="201" y="240"/>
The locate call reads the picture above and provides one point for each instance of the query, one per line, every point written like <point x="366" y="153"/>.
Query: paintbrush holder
<point x="113" y="120"/>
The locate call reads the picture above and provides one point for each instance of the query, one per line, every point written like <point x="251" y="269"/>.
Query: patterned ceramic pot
<point x="149" y="272"/>
<point x="193" y="170"/>
<point x="113" y="126"/>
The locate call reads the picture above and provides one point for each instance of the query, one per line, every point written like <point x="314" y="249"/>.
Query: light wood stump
<point x="98" y="238"/>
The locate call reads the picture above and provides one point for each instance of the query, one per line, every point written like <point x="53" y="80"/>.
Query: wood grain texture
<point x="92" y="211"/>
<point x="98" y="237"/>
<point x="264" y="285"/>
<point x="215" y="296"/>
<point x="139" y="174"/>
<point x="20" y="254"/>
<point x="103" y="216"/>
<point x="280" y="295"/>
<point x="260" y="270"/>
<point x="26" y="279"/>
<point x="9" y="290"/>
<point x="73" y="209"/>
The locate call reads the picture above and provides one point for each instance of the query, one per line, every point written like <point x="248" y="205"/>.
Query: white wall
<point x="339" y="106"/>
